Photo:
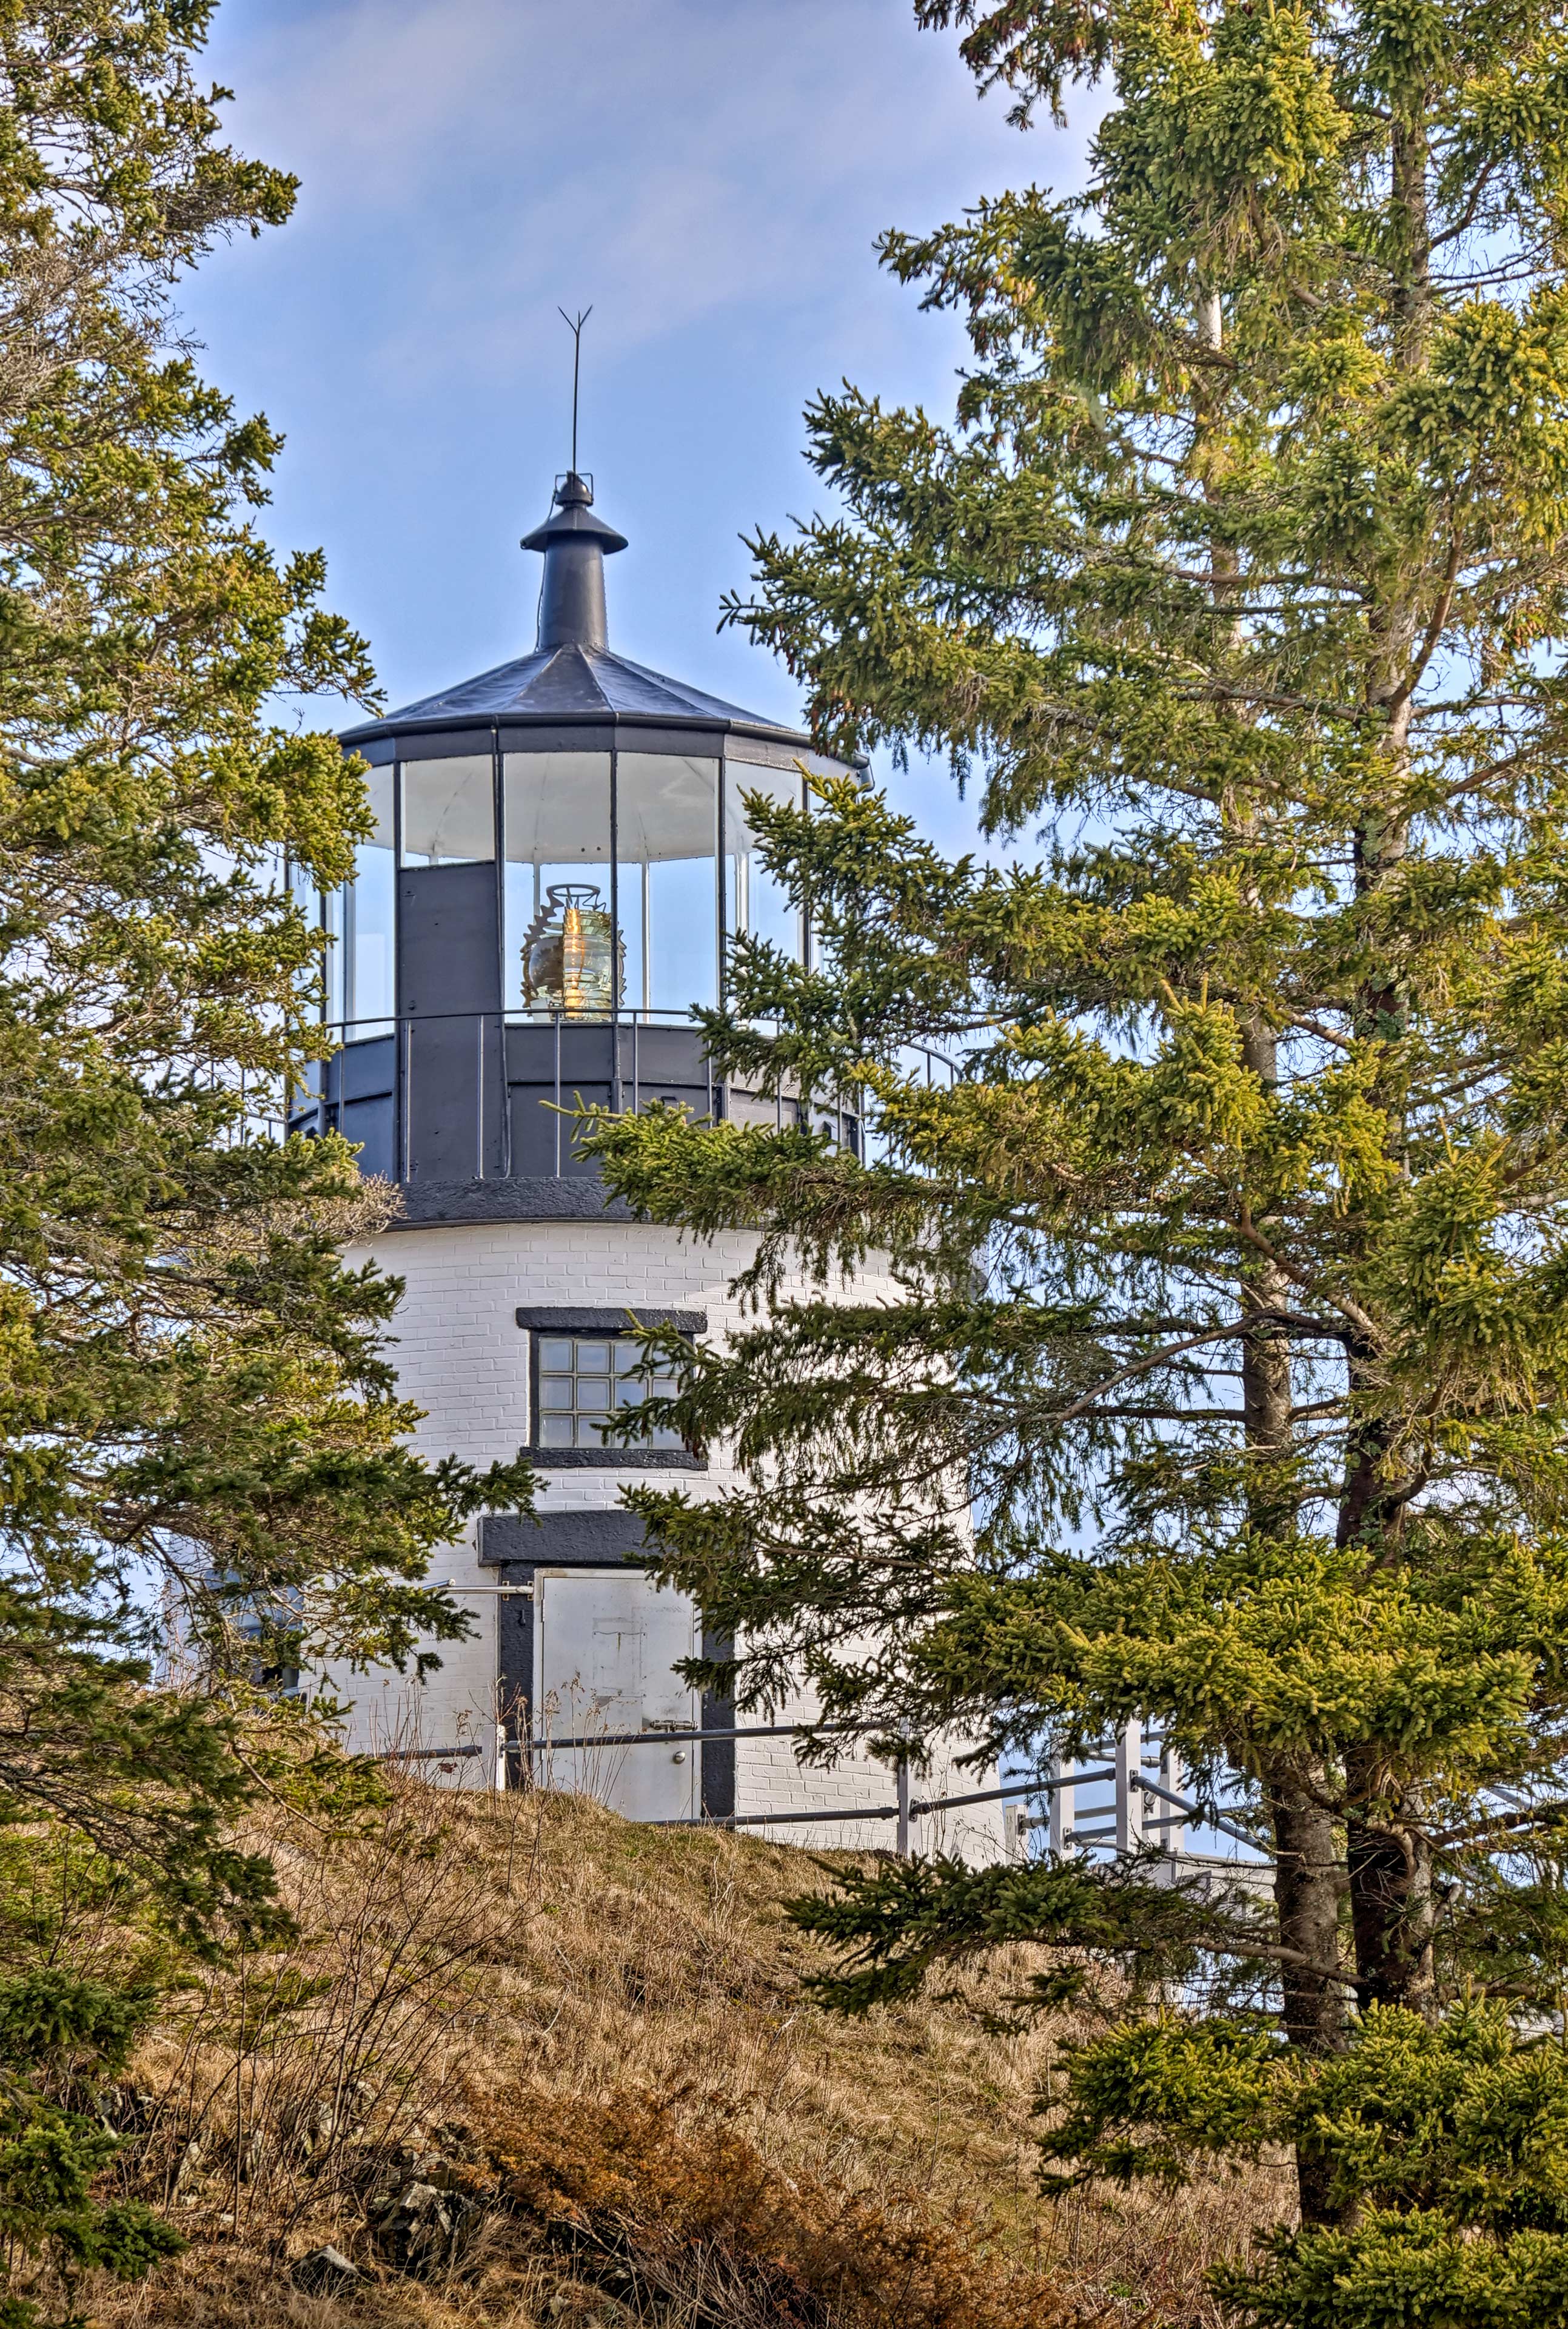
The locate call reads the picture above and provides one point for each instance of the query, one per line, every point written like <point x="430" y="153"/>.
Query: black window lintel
<point x="608" y="1318"/>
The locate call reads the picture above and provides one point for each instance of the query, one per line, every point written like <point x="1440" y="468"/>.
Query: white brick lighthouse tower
<point x="562" y="849"/>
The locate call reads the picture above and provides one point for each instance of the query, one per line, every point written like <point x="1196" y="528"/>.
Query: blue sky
<point x="709" y="175"/>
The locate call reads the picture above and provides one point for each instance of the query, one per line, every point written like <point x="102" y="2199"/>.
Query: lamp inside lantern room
<point x="573" y="958"/>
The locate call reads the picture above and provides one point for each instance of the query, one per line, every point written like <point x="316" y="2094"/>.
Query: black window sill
<point x="616" y="1459"/>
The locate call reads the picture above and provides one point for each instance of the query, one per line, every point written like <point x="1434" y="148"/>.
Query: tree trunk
<point x="1309" y="1880"/>
<point x="1393" y="1909"/>
<point x="1309" y="1888"/>
<point x="1387" y="1856"/>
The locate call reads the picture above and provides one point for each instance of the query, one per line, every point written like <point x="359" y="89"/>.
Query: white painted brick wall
<point x="462" y="1357"/>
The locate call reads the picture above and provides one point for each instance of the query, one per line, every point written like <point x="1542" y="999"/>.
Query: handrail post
<point x="505" y="1089"/>
<point x="1172" y="1779"/>
<point x="1129" y="1786"/>
<point x="405" y="1094"/>
<point x="479" y="1173"/>
<point x="902" y="1845"/>
<point x="1062" y="1813"/>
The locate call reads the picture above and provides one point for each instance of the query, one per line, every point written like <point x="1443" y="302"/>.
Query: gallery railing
<point x="475" y="1096"/>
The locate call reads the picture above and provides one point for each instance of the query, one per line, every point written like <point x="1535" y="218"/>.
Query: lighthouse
<point x="563" y="848"/>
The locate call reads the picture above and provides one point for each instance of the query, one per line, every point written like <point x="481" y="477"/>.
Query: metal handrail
<point x="663" y="1738"/>
<point x="378" y="1025"/>
<point x="843" y="1113"/>
<point x="1151" y="1787"/>
<point x="921" y="1807"/>
<point x="908" y="1806"/>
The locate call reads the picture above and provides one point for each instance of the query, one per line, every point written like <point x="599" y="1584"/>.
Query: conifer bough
<point x="1234" y="1256"/>
<point x="197" y="1412"/>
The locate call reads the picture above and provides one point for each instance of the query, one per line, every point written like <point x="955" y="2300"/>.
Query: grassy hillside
<point x="586" y="2043"/>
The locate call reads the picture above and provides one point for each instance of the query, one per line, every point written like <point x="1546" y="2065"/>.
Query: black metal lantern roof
<point x="573" y="682"/>
<point x="572" y="676"/>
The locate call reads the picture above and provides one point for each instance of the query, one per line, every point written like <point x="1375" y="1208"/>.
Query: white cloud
<point x="666" y="159"/>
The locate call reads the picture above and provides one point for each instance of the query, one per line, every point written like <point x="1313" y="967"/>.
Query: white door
<point x="605" y="1644"/>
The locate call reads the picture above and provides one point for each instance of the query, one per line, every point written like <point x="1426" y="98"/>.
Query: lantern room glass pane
<point x="449" y="811"/>
<point x="757" y="903"/>
<point x="555" y="811"/>
<point x="318" y="912"/>
<point x="369" y="907"/>
<point x="666" y="839"/>
<point x="333" y="902"/>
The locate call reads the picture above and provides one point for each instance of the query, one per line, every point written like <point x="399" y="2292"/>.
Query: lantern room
<point x="563" y="852"/>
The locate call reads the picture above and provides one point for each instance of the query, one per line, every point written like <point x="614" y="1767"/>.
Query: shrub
<point x="59" y="2036"/>
<point x="688" y="2211"/>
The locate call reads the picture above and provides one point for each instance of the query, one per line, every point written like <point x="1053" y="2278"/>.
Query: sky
<point x="709" y="175"/>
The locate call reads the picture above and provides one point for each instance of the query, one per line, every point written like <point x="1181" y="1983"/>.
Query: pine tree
<point x="199" y="1422"/>
<point x="61" y="2040"/>
<point x="1232" y="1251"/>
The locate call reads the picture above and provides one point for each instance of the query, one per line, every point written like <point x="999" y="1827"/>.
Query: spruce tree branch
<point x="1150" y="1412"/>
<point x="1314" y="1027"/>
<point x="1466" y="217"/>
<point x="1360" y="1319"/>
<point x="1291" y="1321"/>
<point x="1434" y="631"/>
<point x="1503" y="1823"/>
<point x="1091" y="1401"/>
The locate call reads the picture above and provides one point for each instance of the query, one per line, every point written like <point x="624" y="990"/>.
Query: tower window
<point x="581" y="1380"/>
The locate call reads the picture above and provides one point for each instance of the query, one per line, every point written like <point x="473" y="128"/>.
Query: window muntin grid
<point x="582" y="1379"/>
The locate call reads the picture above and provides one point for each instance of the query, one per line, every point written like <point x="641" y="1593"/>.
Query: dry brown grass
<point x="669" y="2195"/>
<point x="471" y="1952"/>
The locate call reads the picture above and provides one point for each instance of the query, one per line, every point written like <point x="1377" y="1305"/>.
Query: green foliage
<point x="60" y="2037"/>
<point x="202" y="1452"/>
<point x="1453" y="2145"/>
<point x="898" y="1924"/>
<point x="1225" y="1376"/>
<point x="199" y="1425"/>
<point x="1446" y="2147"/>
